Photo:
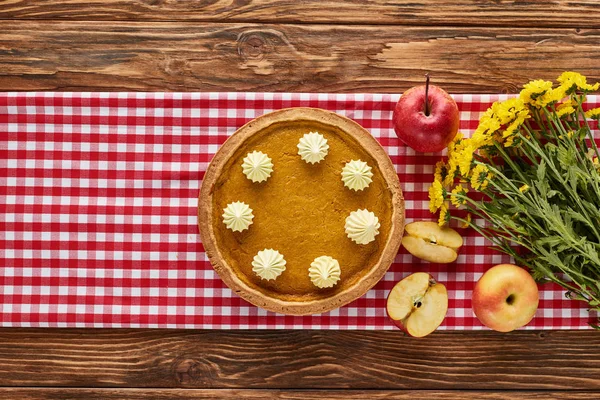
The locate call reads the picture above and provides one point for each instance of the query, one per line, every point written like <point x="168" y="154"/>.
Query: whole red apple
<point x="505" y="298"/>
<point x="426" y="118"/>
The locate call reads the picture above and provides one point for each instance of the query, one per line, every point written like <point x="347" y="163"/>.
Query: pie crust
<point x="212" y="229"/>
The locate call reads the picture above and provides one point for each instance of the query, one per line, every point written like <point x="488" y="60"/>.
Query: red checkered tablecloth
<point x="98" y="197"/>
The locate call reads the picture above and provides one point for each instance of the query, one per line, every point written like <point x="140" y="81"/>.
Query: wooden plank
<point x="531" y="13"/>
<point x="522" y="360"/>
<point x="234" y="57"/>
<point x="184" y="394"/>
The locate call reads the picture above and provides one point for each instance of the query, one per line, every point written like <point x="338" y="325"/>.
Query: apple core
<point x="510" y="299"/>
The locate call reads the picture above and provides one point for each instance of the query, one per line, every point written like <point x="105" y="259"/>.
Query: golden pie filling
<point x="300" y="211"/>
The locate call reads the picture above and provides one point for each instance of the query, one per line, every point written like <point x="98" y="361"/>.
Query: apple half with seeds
<point x="418" y="304"/>
<point x="430" y="242"/>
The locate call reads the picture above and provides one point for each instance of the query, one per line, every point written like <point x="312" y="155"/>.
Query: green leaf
<point x="541" y="171"/>
<point x="549" y="241"/>
<point x="552" y="193"/>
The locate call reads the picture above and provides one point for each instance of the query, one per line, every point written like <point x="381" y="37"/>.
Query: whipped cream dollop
<point x="257" y="166"/>
<point x="362" y="226"/>
<point x="268" y="264"/>
<point x="313" y="147"/>
<point x="357" y="175"/>
<point x="324" y="271"/>
<point x="237" y="216"/>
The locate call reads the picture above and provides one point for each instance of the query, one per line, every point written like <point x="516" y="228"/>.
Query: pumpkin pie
<point x="301" y="211"/>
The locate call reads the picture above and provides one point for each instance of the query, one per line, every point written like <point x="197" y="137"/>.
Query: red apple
<point x="418" y="304"/>
<point x="426" y="118"/>
<point x="505" y="298"/>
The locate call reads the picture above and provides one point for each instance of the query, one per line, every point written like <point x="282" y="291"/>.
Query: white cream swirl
<point x="237" y="216"/>
<point x="268" y="264"/>
<point x="324" y="271"/>
<point x="357" y="175"/>
<point x="362" y="226"/>
<point x="257" y="166"/>
<point x="313" y="147"/>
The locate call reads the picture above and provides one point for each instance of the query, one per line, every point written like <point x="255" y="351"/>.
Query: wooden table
<point x="479" y="46"/>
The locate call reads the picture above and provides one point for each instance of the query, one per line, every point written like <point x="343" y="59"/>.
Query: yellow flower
<point x="593" y="158"/>
<point x="467" y="222"/>
<point x="489" y="121"/>
<point x="594" y="113"/>
<point x="455" y="150"/>
<point x="441" y="171"/>
<point x="494" y="109"/>
<point x="488" y="125"/>
<point x="465" y="159"/>
<point x="539" y="93"/>
<point x="482" y="139"/>
<point x="535" y="93"/>
<point x="451" y="169"/>
<point x="436" y="196"/>
<point x="569" y="135"/>
<point x="480" y="177"/>
<point x="455" y="143"/>
<point x="565" y="108"/>
<point x="572" y="81"/>
<point x="511" y="110"/>
<point x="590" y="154"/>
<point x="460" y="153"/>
<point x="510" y="133"/>
<point x="555" y="95"/>
<point x="490" y="113"/>
<point x="459" y="190"/>
<point x="487" y="152"/>
<point x="524" y="188"/>
<point x="444" y="215"/>
<point x="509" y="142"/>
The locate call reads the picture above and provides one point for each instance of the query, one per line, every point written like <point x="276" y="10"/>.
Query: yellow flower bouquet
<point x="533" y="166"/>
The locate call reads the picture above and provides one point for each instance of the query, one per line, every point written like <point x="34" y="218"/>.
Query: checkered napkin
<point x="98" y="197"/>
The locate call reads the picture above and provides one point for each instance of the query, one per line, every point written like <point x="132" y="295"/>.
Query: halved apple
<point x="431" y="242"/>
<point x="418" y="304"/>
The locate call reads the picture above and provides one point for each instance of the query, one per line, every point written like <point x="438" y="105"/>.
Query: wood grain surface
<point x="535" y="13"/>
<point x="468" y="46"/>
<point x="162" y="56"/>
<point x="522" y="360"/>
<point x="252" y="394"/>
